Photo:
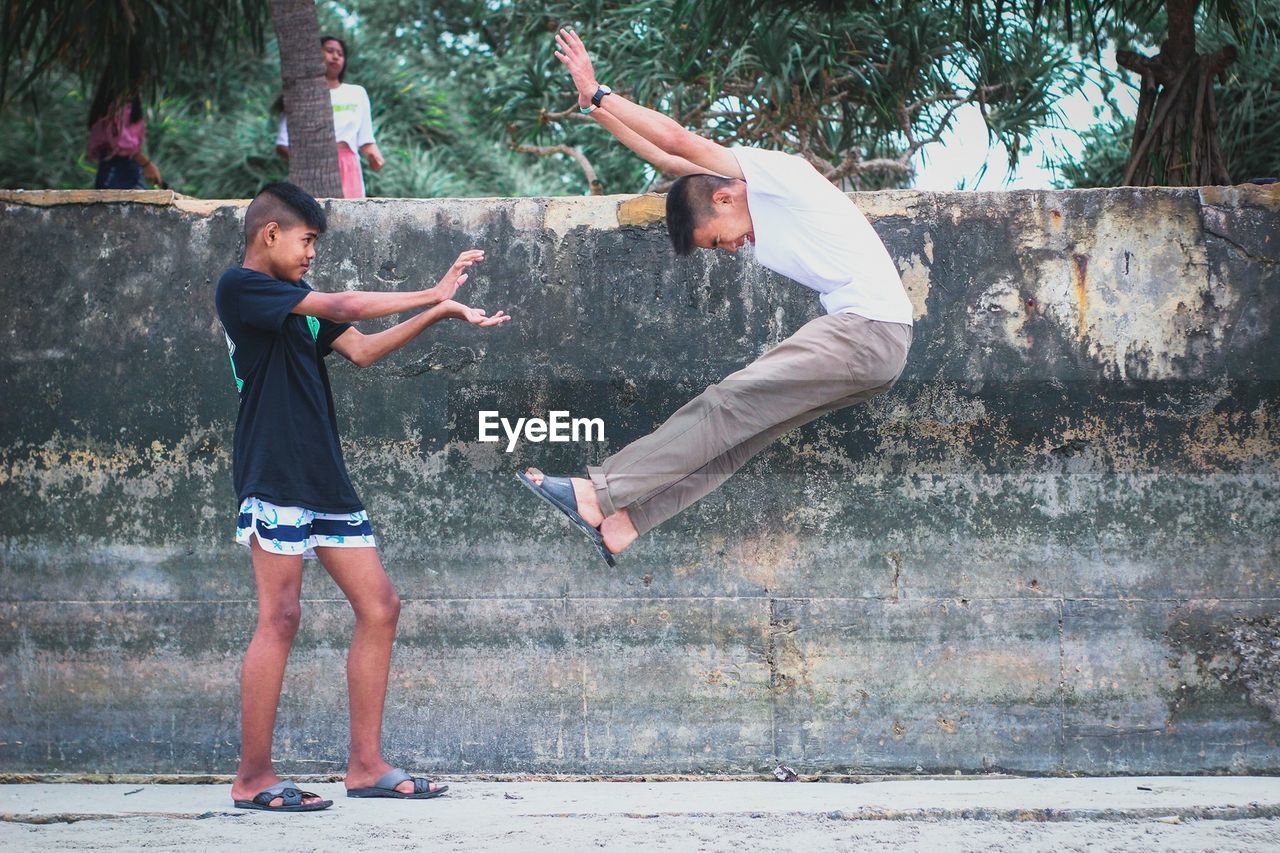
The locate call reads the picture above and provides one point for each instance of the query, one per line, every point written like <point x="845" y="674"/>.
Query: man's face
<point x="290" y="251"/>
<point x="730" y="227"/>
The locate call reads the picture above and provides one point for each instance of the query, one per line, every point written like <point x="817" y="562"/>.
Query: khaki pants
<point x="831" y="362"/>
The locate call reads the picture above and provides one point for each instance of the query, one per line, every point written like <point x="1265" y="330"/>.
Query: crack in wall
<point x="1240" y="247"/>
<point x="1061" y="739"/>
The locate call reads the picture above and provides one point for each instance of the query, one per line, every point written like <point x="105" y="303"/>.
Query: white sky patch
<point x="965" y="160"/>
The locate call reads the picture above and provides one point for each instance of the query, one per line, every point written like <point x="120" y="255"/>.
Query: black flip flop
<point x="558" y="492"/>
<point x="385" y="787"/>
<point x="291" y="795"/>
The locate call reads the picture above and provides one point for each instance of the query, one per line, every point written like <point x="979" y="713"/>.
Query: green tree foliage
<point x="1248" y="100"/>
<point x="126" y="46"/>
<point x="43" y="134"/>
<point x="456" y="83"/>
<point x="213" y="132"/>
<point x="857" y="87"/>
<point x="213" y="135"/>
<point x="1085" y="23"/>
<point x="435" y="122"/>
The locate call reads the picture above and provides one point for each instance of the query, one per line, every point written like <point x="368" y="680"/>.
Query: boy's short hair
<point x="285" y="204"/>
<point x="689" y="205"/>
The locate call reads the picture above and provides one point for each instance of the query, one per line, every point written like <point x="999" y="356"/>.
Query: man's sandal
<point x="558" y="492"/>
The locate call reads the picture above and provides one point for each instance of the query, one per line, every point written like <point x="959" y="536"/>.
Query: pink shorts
<point x="352" y="176"/>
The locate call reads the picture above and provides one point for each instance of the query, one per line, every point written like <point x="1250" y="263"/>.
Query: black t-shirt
<point x="286" y="445"/>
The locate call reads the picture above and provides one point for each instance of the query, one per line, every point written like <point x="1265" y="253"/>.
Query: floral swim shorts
<point x="296" y="530"/>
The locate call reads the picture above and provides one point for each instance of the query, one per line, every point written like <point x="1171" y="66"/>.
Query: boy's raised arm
<point x="363" y="350"/>
<point x="353" y="305"/>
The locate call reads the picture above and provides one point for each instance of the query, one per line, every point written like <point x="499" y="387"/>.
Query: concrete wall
<point x="1051" y="549"/>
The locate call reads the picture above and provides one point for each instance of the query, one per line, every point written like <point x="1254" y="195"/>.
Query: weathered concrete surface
<point x="1166" y="813"/>
<point x="1051" y="549"/>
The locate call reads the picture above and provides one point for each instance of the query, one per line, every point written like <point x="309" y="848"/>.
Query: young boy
<point x="801" y="226"/>
<point x="294" y="493"/>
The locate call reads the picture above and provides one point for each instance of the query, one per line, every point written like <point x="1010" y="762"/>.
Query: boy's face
<point x="289" y="251"/>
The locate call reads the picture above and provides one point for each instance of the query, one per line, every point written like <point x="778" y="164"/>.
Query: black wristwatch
<point x="599" y="95"/>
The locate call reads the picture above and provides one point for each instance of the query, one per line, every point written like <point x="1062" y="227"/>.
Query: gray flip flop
<point x="291" y="795"/>
<point x="386" y="787"/>
<point x="558" y="492"/>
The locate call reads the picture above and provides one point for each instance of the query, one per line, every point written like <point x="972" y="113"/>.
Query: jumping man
<point x="803" y="227"/>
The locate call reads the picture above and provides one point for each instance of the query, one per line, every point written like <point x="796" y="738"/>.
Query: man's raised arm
<point x="655" y="137"/>
<point x="667" y="164"/>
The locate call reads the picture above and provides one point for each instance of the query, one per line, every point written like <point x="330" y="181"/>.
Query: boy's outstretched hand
<point x="457" y="275"/>
<point x="573" y="53"/>
<point x="478" y="316"/>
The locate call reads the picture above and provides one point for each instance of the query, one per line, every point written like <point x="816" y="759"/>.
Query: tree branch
<point x="574" y="151"/>
<point x="574" y="113"/>
<point x="851" y="167"/>
<point x="1144" y="65"/>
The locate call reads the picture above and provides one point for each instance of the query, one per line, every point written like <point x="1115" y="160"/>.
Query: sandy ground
<point x="1158" y="813"/>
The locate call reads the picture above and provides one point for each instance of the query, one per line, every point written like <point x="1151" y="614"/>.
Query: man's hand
<point x="573" y="53"/>
<point x="669" y="146"/>
<point x="456" y="276"/>
<point x="477" y="316"/>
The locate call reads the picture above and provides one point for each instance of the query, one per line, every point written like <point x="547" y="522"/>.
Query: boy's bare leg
<point x="279" y="581"/>
<point x="359" y="574"/>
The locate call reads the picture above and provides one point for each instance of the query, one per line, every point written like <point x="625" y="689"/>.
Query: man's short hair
<point x="689" y="205"/>
<point x="285" y="204"/>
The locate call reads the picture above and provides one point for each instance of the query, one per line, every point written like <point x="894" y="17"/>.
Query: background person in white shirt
<point x="352" y="121"/>
<point x="803" y="227"/>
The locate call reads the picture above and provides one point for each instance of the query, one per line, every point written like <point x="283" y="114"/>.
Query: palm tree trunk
<point x="313" y="149"/>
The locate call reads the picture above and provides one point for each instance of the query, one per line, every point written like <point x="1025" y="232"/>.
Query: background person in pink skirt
<point x="352" y="121"/>
<point x="117" y="131"/>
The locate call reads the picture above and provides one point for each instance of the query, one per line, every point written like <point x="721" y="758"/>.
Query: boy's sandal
<point x="386" y="787"/>
<point x="290" y="795"/>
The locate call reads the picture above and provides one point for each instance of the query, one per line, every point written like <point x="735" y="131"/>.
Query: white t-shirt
<point x="352" y="120"/>
<point x="810" y="231"/>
